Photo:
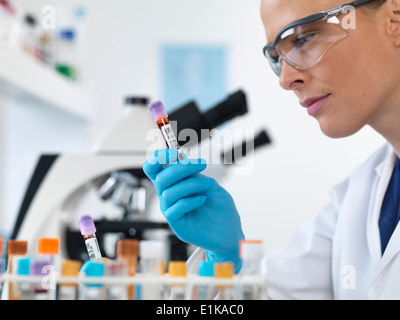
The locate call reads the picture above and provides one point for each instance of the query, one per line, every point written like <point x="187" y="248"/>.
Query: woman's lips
<point x="314" y="104"/>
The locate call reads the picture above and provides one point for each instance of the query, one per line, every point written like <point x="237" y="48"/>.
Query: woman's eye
<point x="301" y="41"/>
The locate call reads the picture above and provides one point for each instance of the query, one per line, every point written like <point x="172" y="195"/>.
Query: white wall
<point x="2" y="154"/>
<point x="290" y="179"/>
<point x="32" y="130"/>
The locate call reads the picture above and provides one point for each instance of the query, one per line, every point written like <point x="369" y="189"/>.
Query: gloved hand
<point x="197" y="208"/>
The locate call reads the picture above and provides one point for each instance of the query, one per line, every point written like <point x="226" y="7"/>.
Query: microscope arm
<point x="67" y="174"/>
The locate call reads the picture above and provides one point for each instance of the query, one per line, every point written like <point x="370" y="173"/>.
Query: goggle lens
<point x="303" y="46"/>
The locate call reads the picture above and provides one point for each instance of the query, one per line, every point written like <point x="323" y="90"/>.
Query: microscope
<point x="109" y="183"/>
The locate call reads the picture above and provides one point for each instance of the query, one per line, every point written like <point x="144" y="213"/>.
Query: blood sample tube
<point x="15" y="249"/>
<point x="38" y="267"/>
<point x="224" y="270"/>
<point x="49" y="248"/>
<point x="204" y="291"/>
<point x="177" y="291"/>
<point x="94" y="291"/>
<point x="152" y="265"/>
<point x="25" y="288"/>
<point x="69" y="291"/>
<point x="88" y="230"/>
<point x="117" y="268"/>
<point x="2" y="265"/>
<point x="251" y="253"/>
<point x="127" y="251"/>
<point x="160" y="116"/>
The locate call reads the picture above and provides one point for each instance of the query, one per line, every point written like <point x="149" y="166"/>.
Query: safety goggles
<point x="303" y="43"/>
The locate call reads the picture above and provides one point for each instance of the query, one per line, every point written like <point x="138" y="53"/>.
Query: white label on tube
<point x="169" y="136"/>
<point x="93" y="248"/>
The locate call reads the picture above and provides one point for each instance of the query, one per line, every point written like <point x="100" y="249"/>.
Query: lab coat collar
<point x="386" y="164"/>
<point x="384" y="172"/>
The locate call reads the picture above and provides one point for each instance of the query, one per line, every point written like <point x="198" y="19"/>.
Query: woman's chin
<point x="338" y="129"/>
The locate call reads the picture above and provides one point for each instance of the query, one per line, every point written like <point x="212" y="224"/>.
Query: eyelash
<point x="299" y="41"/>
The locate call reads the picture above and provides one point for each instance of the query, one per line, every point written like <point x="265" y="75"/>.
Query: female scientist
<point x="347" y="75"/>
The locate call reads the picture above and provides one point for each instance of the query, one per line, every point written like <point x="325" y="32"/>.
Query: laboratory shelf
<point x="23" y="77"/>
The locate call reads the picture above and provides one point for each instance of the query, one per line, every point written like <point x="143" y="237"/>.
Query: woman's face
<point x="358" y="76"/>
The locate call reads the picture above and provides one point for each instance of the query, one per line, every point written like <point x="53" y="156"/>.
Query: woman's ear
<point x="393" y="10"/>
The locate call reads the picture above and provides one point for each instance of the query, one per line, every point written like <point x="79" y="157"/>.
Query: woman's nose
<point x="291" y="78"/>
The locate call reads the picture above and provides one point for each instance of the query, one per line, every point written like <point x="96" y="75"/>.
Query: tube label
<point x="169" y="136"/>
<point x="93" y="249"/>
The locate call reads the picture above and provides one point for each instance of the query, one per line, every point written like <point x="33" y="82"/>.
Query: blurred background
<point x="67" y="67"/>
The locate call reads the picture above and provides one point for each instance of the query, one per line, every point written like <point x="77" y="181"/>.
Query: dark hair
<point x="371" y="7"/>
<point x="375" y="4"/>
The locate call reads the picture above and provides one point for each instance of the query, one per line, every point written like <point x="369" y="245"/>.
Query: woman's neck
<point x="388" y="125"/>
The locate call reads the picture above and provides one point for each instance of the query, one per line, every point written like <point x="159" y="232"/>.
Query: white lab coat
<point x="336" y="253"/>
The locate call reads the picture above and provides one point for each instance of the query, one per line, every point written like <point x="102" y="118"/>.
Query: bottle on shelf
<point x="65" y="56"/>
<point x="9" y="26"/>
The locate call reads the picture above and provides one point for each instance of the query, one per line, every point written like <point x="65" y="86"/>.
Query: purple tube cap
<point x="157" y="110"/>
<point x="39" y="267"/>
<point x="86" y="224"/>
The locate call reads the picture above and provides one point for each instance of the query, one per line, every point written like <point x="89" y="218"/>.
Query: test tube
<point x="15" y="249"/>
<point x="117" y="268"/>
<point x="2" y="271"/>
<point x="160" y="116"/>
<point x="94" y="291"/>
<point x="39" y="267"/>
<point x="177" y="269"/>
<point x="69" y="291"/>
<point x="2" y="265"/>
<point x="127" y="251"/>
<point x="151" y="265"/>
<point x="25" y="288"/>
<point x="251" y="253"/>
<point x="88" y="230"/>
<point x="205" y="291"/>
<point x="224" y="270"/>
<point x="49" y="249"/>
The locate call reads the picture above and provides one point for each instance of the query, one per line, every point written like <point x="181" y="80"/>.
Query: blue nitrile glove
<point x="197" y="208"/>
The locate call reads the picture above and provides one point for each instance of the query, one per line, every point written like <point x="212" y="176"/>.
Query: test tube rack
<point x="258" y="281"/>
